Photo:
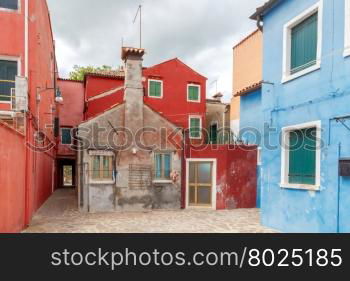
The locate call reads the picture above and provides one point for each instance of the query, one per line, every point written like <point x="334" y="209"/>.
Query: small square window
<point x="9" y="4"/>
<point x="162" y="166"/>
<point x="195" y="127"/>
<point x="66" y="136"/>
<point x="155" y="88"/>
<point x="193" y="93"/>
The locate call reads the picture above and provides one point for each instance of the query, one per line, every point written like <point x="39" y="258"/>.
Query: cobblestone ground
<point x="60" y="215"/>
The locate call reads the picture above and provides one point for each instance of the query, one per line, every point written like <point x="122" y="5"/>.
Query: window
<point x="9" y="4"/>
<point x="347" y="28"/>
<point x="66" y="136"/>
<point x="155" y="88"/>
<point x="193" y="93"/>
<point x="162" y="163"/>
<point x="195" y="125"/>
<point x="8" y="73"/>
<point x="102" y="168"/>
<point x="301" y="156"/>
<point x="302" y="43"/>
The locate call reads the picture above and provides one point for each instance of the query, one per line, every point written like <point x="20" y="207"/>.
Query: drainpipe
<point x="26" y="37"/>
<point x="338" y="194"/>
<point x="27" y="122"/>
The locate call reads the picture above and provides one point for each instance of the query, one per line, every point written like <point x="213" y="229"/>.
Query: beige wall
<point x="247" y="69"/>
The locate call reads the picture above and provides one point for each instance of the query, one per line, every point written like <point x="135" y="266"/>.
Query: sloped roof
<point x="249" y="89"/>
<point x="260" y="11"/>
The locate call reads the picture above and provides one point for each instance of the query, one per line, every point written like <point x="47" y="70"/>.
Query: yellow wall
<point x="247" y="68"/>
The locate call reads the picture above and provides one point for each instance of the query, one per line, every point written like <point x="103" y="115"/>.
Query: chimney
<point x="133" y="96"/>
<point x="218" y="96"/>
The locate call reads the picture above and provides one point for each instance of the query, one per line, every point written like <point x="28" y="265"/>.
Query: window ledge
<point x="347" y="52"/>
<point x="195" y="101"/>
<point x="7" y="113"/>
<point x="154" y="97"/>
<point x="162" y="181"/>
<point x="17" y="11"/>
<point x="287" y="78"/>
<point x="300" y="186"/>
<point x="101" y="182"/>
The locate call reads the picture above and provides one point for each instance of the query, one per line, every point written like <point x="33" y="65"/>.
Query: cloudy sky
<point x="199" y="32"/>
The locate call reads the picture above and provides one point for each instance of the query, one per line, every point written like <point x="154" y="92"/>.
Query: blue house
<point x="305" y="105"/>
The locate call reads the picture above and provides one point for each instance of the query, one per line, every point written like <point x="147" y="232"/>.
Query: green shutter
<point x="302" y="156"/>
<point x="66" y="136"/>
<point x="167" y="165"/>
<point x="155" y="89"/>
<point x="304" y="44"/>
<point x="193" y="93"/>
<point x="158" y="166"/>
<point x="195" y="128"/>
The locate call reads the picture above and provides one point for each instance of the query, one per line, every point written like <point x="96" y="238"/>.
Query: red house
<point x="171" y="88"/>
<point x="27" y="111"/>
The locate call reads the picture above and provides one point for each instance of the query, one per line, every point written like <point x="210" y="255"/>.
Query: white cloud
<point x="200" y="32"/>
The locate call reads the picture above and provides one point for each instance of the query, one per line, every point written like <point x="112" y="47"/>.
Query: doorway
<point x="66" y="173"/>
<point x="201" y="180"/>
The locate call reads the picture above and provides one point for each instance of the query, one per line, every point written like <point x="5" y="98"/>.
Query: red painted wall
<point x="236" y="174"/>
<point x="38" y="167"/>
<point x="12" y="188"/>
<point x="96" y="85"/>
<point x="70" y="111"/>
<point x="12" y="39"/>
<point x="175" y="76"/>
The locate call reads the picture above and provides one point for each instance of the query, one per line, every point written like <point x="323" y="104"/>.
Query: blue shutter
<point x="158" y="164"/>
<point x="66" y="136"/>
<point x="304" y="44"/>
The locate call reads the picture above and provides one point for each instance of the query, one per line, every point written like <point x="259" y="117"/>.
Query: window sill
<point x="101" y="182"/>
<point x="193" y="138"/>
<point x="300" y="186"/>
<point x="287" y="78"/>
<point x="194" y="101"/>
<point x="153" y="97"/>
<point x="6" y="102"/>
<point x="347" y="52"/>
<point x="7" y="113"/>
<point x="17" y="11"/>
<point x="162" y="181"/>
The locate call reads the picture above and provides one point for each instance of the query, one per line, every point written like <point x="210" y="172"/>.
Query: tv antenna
<point x="139" y="12"/>
<point x="216" y="85"/>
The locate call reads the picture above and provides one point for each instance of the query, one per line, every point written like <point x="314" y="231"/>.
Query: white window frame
<point x="214" y="191"/>
<point x="18" y="10"/>
<point x="93" y="153"/>
<point x="149" y="88"/>
<point x="200" y="124"/>
<point x="285" y="156"/>
<point x="188" y="92"/>
<point x="162" y="180"/>
<point x="347" y="29"/>
<point x="286" y="71"/>
<point x="16" y="59"/>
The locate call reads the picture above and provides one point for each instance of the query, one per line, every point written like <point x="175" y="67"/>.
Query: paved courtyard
<point x="60" y="215"/>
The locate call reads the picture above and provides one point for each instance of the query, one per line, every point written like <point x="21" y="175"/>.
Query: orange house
<point x="247" y="71"/>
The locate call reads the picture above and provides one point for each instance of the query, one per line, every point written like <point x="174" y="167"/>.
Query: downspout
<point x="27" y="153"/>
<point x="338" y="193"/>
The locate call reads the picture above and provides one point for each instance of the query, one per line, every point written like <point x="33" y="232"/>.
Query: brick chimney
<point x="133" y="95"/>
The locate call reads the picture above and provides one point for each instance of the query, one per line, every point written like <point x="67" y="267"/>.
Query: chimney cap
<point x="126" y="51"/>
<point x="218" y="96"/>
